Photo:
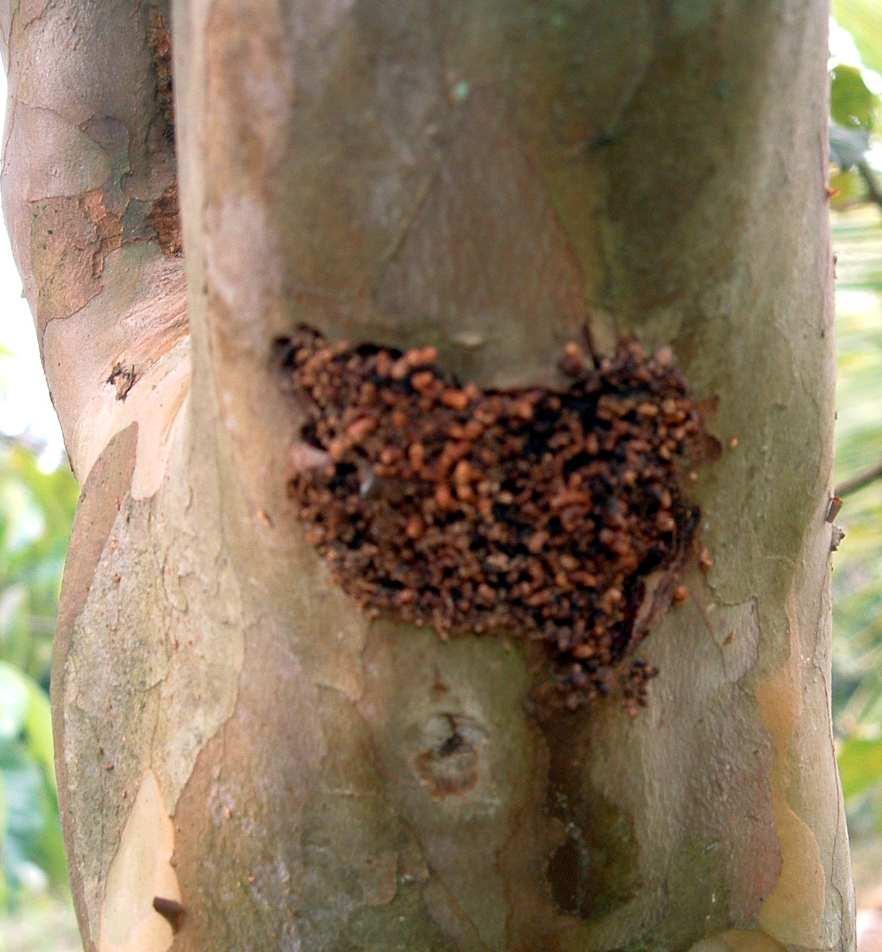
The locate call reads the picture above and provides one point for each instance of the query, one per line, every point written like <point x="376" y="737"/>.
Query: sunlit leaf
<point x="860" y="765"/>
<point x="852" y="104"/>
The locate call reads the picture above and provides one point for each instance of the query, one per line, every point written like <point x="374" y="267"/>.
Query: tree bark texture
<point x="233" y="736"/>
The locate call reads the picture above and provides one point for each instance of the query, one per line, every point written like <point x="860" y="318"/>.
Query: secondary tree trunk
<point x="233" y="735"/>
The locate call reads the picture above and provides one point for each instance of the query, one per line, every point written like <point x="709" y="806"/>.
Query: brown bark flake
<point x="166" y="222"/>
<point x="73" y="235"/>
<point x="123" y="379"/>
<point x="169" y="909"/>
<point x="159" y="40"/>
<point x="108" y="228"/>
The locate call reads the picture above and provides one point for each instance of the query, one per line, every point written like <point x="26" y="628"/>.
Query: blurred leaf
<point x="38" y="729"/>
<point x="26" y="813"/>
<point x="12" y="601"/>
<point x="852" y="104"/>
<point x="860" y="765"/>
<point x="847" y="187"/>
<point x="847" y="146"/>
<point x="45" y="925"/>
<point x="36" y="510"/>
<point x="14" y="702"/>
<point x="25" y="712"/>
<point x="861" y="19"/>
<point x="857" y="578"/>
<point x="30" y="835"/>
<point x="32" y="848"/>
<point x="4" y="811"/>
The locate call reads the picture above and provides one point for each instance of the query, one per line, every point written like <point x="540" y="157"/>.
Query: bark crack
<point x="42" y="15"/>
<point x="388" y="257"/>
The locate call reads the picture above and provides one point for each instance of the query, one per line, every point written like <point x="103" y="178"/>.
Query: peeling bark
<point x="245" y="761"/>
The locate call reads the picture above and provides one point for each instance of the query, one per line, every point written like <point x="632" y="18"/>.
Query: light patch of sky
<point x="26" y="411"/>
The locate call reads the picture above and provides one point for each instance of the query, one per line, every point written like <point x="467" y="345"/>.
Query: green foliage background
<point x="856" y="128"/>
<point x="36" y="510"/>
<point x="36" y="513"/>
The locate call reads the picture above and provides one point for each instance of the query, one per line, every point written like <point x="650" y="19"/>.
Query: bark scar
<point x="123" y="379"/>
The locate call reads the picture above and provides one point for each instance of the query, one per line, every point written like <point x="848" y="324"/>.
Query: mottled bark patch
<point x="108" y="228"/>
<point x="535" y="510"/>
<point x="165" y="220"/>
<point x="594" y="870"/>
<point x="159" y="40"/>
<point x="164" y="216"/>
<point x="73" y="235"/>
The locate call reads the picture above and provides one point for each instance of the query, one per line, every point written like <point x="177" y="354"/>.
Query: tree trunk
<point x="234" y="736"/>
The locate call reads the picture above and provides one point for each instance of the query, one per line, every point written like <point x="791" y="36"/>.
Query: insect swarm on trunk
<point x="541" y="511"/>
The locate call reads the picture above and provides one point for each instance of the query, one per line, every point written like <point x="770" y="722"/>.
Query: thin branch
<point x="23" y="441"/>
<point x="852" y="485"/>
